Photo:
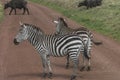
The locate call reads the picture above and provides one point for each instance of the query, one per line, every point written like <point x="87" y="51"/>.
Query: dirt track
<point x="23" y="63"/>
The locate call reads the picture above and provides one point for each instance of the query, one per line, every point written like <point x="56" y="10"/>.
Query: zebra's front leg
<point x="43" y="57"/>
<point x="49" y="67"/>
<point x="68" y="62"/>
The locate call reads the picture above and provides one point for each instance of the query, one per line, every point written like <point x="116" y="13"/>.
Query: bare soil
<point x="22" y="62"/>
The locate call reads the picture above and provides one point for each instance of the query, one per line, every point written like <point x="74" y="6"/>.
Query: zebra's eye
<point x="21" y="31"/>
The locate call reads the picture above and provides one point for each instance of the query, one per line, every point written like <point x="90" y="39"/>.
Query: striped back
<point x="55" y="45"/>
<point x="62" y="28"/>
<point x="63" y="44"/>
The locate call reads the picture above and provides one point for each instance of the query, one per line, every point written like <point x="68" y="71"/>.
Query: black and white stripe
<point x="86" y="35"/>
<point x="52" y="45"/>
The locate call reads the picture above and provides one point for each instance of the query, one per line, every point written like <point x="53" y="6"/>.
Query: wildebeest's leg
<point x="67" y="64"/>
<point x="23" y="10"/>
<point x="11" y="11"/>
<point x="88" y="6"/>
<point x="15" y="11"/>
<point x="27" y="11"/>
<point x="49" y="67"/>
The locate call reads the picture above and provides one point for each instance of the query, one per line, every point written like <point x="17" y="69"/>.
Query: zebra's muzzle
<point x="15" y="42"/>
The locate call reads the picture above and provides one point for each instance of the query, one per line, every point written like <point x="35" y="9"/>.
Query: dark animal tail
<point x="96" y="42"/>
<point x="85" y="52"/>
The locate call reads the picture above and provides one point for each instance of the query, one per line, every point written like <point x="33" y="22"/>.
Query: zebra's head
<point x="21" y="35"/>
<point x="60" y="23"/>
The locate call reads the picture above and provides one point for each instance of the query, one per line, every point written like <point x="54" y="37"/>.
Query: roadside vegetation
<point x="1" y="12"/>
<point x="104" y="19"/>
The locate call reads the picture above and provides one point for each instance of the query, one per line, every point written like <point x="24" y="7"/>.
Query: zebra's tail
<point x="96" y="42"/>
<point x="86" y="52"/>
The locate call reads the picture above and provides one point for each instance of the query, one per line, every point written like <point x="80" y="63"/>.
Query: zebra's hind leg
<point x="68" y="62"/>
<point x="50" y="75"/>
<point x="75" y="68"/>
<point x="44" y="75"/>
<point x="89" y="62"/>
<point x="83" y="67"/>
<point x="73" y="77"/>
<point x="88" y="68"/>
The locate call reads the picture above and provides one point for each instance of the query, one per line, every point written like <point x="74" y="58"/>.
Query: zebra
<point x="52" y="45"/>
<point x="62" y="28"/>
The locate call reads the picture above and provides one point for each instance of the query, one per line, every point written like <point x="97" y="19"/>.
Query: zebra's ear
<point x="55" y="22"/>
<point x="64" y="19"/>
<point x="20" y="23"/>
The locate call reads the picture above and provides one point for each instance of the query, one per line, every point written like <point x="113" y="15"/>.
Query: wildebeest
<point x="98" y="2"/>
<point x="90" y="3"/>
<point x="17" y="4"/>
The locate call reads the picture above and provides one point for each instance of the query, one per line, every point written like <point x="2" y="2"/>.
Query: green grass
<point x="1" y="12"/>
<point x="104" y="19"/>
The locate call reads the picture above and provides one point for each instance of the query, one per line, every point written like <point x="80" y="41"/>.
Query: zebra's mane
<point x="34" y="28"/>
<point x="66" y="25"/>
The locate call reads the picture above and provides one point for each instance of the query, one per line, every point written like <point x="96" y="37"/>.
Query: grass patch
<point x="104" y="19"/>
<point x="1" y="12"/>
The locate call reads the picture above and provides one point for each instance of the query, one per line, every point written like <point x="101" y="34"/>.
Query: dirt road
<point x="22" y="62"/>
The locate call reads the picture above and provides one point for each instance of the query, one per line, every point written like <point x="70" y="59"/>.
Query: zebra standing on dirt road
<point x="86" y="35"/>
<point x="52" y="45"/>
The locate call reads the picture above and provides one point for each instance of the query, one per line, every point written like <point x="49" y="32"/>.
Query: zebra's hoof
<point x="50" y="75"/>
<point x="82" y="69"/>
<point x="67" y="66"/>
<point x="44" y="75"/>
<point x="88" y="69"/>
<point x="73" y="77"/>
